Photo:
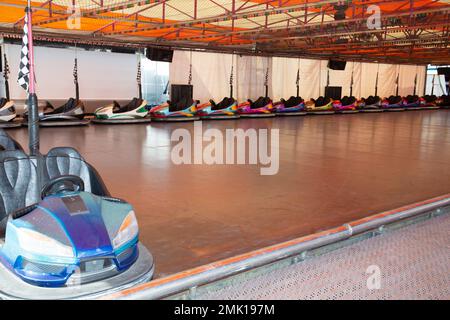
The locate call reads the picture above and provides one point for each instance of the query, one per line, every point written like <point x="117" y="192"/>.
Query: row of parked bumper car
<point x="71" y="112"/>
<point x="137" y="110"/>
<point x="228" y="108"/>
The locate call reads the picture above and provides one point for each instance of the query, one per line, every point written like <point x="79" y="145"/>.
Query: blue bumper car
<point x="68" y="238"/>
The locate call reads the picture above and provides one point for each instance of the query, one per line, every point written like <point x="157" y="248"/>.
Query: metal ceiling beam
<point x="140" y="10"/>
<point x="141" y="42"/>
<point x="230" y="16"/>
<point x="338" y="33"/>
<point x="96" y="11"/>
<point x="365" y="45"/>
<point x="318" y="25"/>
<point x="313" y="39"/>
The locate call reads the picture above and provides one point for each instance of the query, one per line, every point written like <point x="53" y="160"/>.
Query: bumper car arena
<point x="224" y="150"/>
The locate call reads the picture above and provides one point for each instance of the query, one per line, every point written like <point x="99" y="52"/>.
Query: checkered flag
<point x="24" y="67"/>
<point x="139" y="77"/>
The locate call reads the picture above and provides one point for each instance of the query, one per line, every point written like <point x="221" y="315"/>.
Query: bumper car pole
<point x="33" y="123"/>
<point x="266" y="80"/>
<point x="231" y="77"/>
<point x="139" y="78"/>
<point x="396" y="84"/>
<point x="376" y="81"/>
<point x="351" y="81"/>
<point x="33" y="113"/>
<point x="6" y="76"/>
<point x="75" y="77"/>
<point x="415" y="83"/>
<point x="297" y="82"/>
<point x="432" y="85"/>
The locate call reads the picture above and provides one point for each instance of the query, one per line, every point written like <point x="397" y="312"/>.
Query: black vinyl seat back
<point x="132" y="105"/>
<point x="181" y="105"/>
<point x="372" y="100"/>
<point x="319" y="101"/>
<point x="445" y="100"/>
<point x="346" y="101"/>
<point x="412" y="98"/>
<point x="3" y="101"/>
<point x="18" y="184"/>
<point x="255" y="102"/>
<point x="44" y="108"/>
<point x="225" y="103"/>
<point x="7" y="143"/>
<point x="116" y="106"/>
<point x="260" y="102"/>
<point x="292" y="101"/>
<point x="67" y="161"/>
<point x="394" y="99"/>
<point x="18" y="178"/>
<point x="70" y="105"/>
<point x="322" y="101"/>
<point x="430" y="98"/>
<point x="288" y="101"/>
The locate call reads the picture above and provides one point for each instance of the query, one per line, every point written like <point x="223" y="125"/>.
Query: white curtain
<point x="367" y="79"/>
<point x="406" y="79"/>
<point x="310" y="78"/>
<point x="439" y="84"/>
<point x="101" y="75"/>
<point x="211" y="76"/>
<point x="250" y="77"/>
<point x="284" y="77"/>
<point x="210" y="73"/>
<point x="314" y="77"/>
<point x="357" y="80"/>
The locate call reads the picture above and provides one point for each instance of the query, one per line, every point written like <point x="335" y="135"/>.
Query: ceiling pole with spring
<point x="231" y="76"/>
<point x="139" y="78"/>
<point x="75" y="75"/>
<point x="298" y="79"/>
<point x="33" y="114"/>
<point x="6" y="76"/>
<point x="376" y="80"/>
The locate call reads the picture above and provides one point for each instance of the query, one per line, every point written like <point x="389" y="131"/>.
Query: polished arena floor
<point x="333" y="169"/>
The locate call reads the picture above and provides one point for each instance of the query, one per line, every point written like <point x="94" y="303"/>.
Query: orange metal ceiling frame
<point x="407" y="32"/>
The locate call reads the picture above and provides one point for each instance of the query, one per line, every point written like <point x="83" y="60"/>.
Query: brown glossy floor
<point x="333" y="169"/>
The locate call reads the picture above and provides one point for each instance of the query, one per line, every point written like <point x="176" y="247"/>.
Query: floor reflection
<point x="332" y="169"/>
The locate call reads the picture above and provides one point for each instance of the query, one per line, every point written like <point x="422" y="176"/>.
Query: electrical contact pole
<point x="33" y="114"/>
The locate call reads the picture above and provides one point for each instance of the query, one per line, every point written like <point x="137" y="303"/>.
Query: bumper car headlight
<point x="127" y="231"/>
<point x="37" y="243"/>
